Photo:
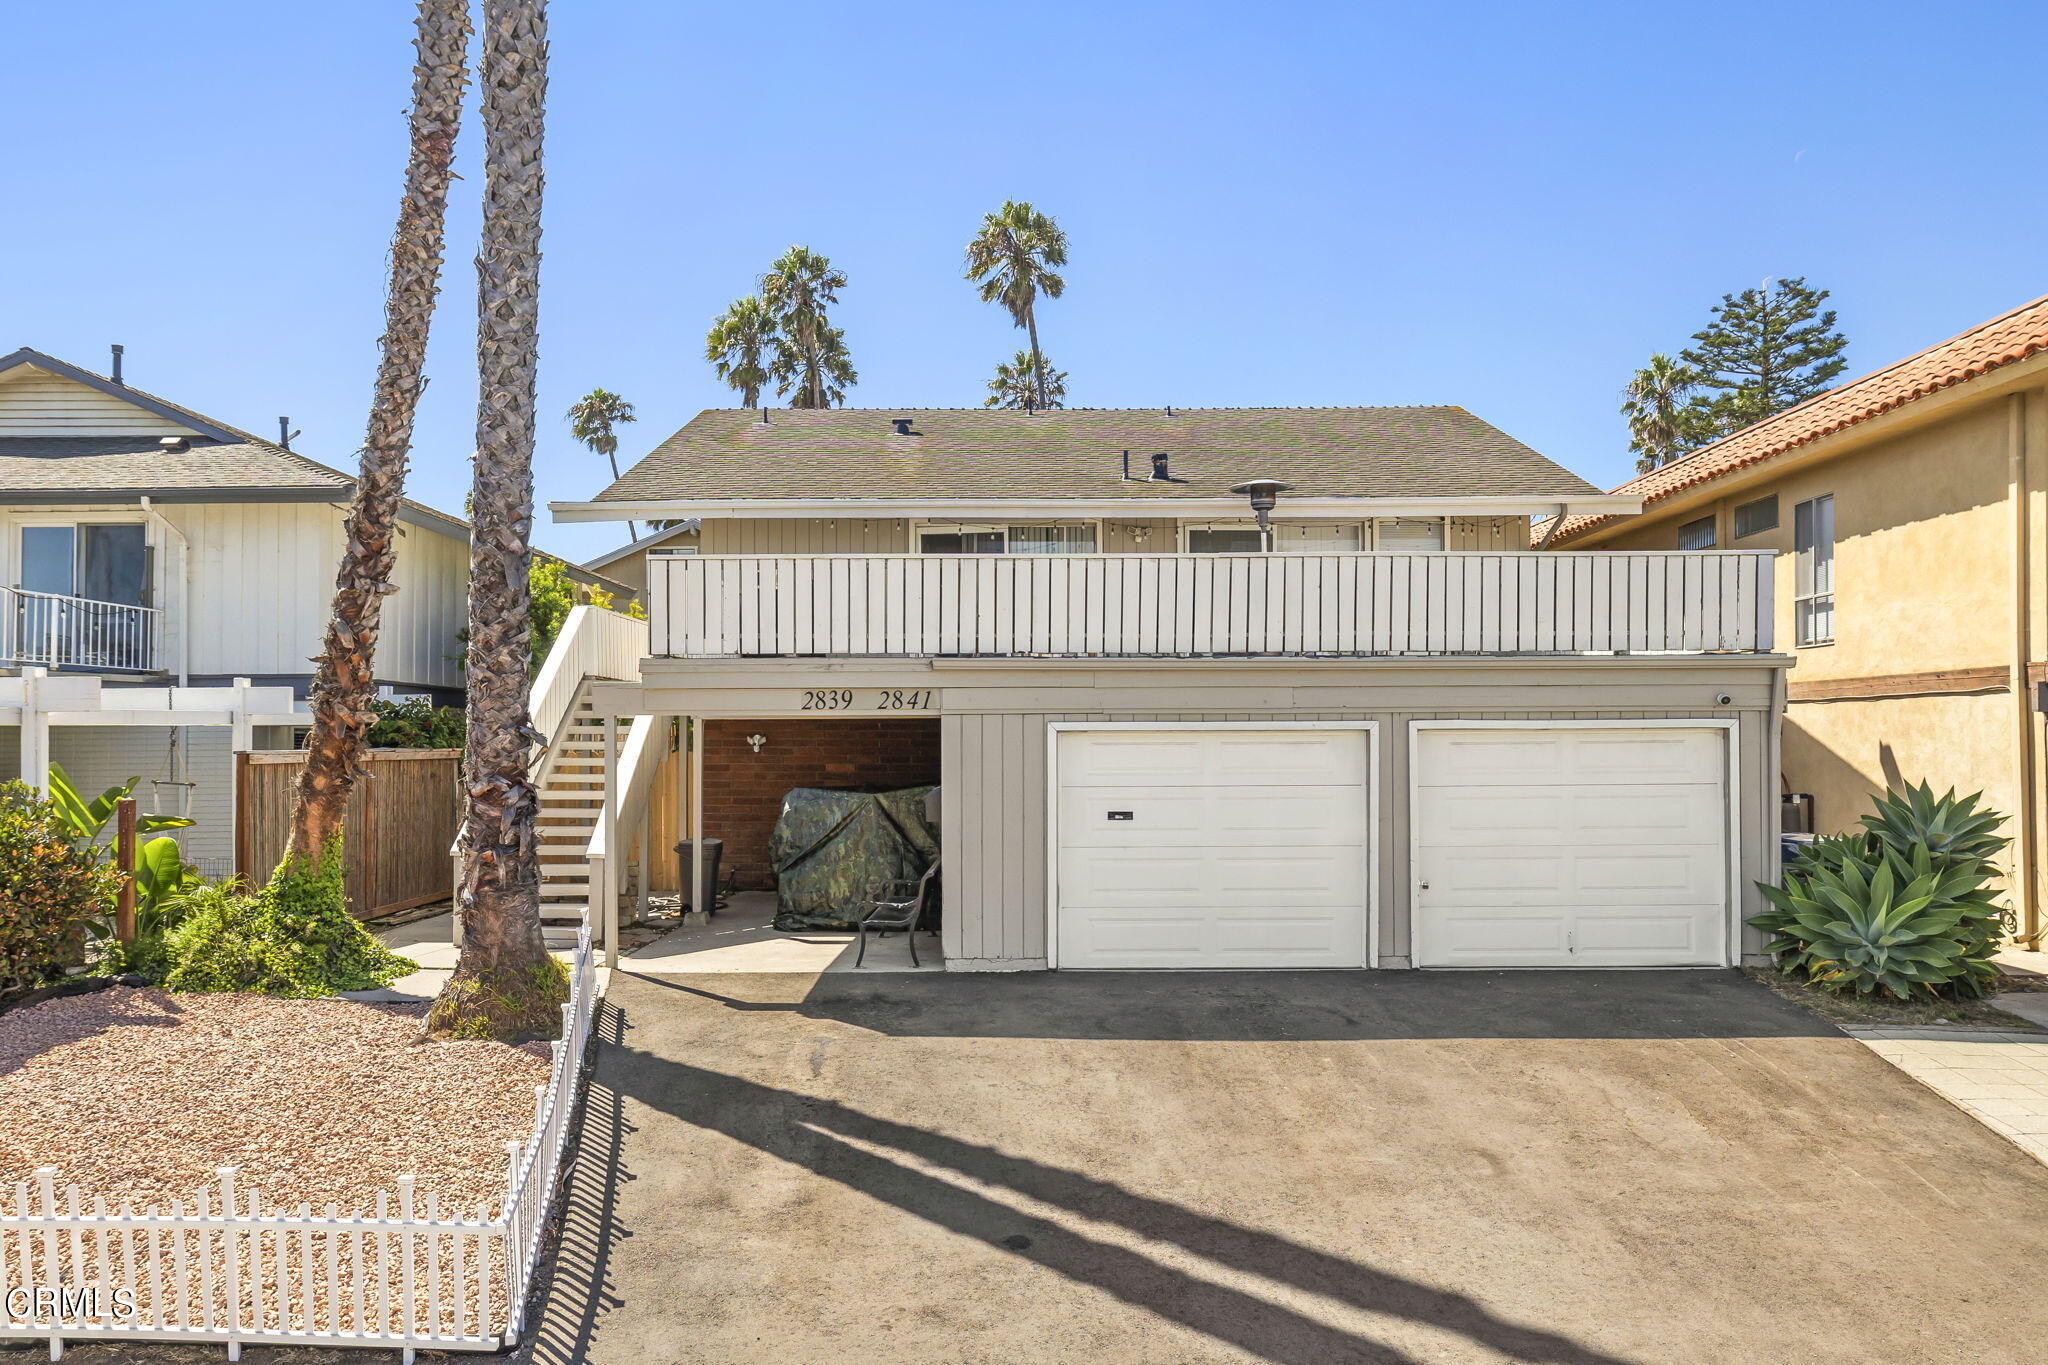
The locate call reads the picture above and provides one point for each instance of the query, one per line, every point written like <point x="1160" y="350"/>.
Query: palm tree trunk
<point x="632" y="528"/>
<point x="344" y="680"/>
<point x="505" y="985"/>
<point x="1037" y="360"/>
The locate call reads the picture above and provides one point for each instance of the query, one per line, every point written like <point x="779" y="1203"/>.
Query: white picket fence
<point x="228" y="1268"/>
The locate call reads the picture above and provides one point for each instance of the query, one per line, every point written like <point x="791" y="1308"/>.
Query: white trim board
<point x="1371" y="843"/>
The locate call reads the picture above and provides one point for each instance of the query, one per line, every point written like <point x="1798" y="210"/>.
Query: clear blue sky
<point x="1501" y="206"/>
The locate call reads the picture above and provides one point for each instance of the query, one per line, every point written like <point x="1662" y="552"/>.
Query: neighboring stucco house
<point x="151" y="557"/>
<point x="1909" y="509"/>
<point x="1214" y="688"/>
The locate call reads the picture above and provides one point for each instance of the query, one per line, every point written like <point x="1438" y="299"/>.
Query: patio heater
<point x="1265" y="496"/>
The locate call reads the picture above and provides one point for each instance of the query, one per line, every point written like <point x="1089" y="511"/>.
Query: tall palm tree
<point x="343" y="682"/>
<point x="817" y="376"/>
<point x="1661" y="427"/>
<point x="1017" y="384"/>
<point x="504" y="986"/>
<point x="810" y="353"/>
<point x="738" y="346"/>
<point x="1013" y="257"/>
<point x="594" y="421"/>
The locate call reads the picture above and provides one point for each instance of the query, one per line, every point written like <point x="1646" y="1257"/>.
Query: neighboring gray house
<point x="1201" y="688"/>
<point x="146" y="546"/>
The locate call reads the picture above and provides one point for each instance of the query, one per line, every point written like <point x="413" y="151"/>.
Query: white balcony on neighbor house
<point x="51" y="630"/>
<point x="1339" y="605"/>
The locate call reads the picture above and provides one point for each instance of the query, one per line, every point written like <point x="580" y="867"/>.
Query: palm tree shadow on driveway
<point x="881" y="1159"/>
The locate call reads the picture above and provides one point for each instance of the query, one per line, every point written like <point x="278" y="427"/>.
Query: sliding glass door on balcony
<point x="82" y="597"/>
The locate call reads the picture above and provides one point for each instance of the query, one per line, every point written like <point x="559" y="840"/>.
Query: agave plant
<point x="1903" y="906"/>
<point x="1948" y="826"/>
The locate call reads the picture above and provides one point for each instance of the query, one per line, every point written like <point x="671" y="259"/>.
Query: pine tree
<point x="1766" y="349"/>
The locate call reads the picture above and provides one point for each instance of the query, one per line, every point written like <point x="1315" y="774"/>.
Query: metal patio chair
<point x="898" y="905"/>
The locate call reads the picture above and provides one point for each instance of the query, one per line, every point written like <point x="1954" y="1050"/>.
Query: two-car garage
<point x="1261" y="845"/>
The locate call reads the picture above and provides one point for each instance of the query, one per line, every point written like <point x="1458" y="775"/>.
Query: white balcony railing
<point x="1165" y="606"/>
<point x="41" y="628"/>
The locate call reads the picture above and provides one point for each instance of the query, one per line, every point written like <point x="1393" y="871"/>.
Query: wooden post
<point x="124" y="857"/>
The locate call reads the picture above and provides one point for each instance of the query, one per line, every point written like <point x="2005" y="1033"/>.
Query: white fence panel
<point x="403" y="1276"/>
<point x="1126" y="606"/>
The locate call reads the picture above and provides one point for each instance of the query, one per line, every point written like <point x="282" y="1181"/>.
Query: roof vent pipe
<point x="119" y="351"/>
<point x="1159" y="467"/>
<point x="902" y="425"/>
<point x="285" y="432"/>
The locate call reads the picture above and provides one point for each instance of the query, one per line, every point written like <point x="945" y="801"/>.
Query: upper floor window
<point x="1408" y="533"/>
<point x="1813" y="571"/>
<point x="1289" y="538"/>
<point x="1752" y="518"/>
<point x="99" y="561"/>
<point x="999" y="540"/>
<point x="1697" y="535"/>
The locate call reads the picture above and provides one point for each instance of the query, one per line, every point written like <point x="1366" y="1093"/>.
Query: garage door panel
<point x="1171" y="757"/>
<point x="1140" y="816"/>
<point x="1241" y="848"/>
<point x="1654" y="756"/>
<point x="1564" y="876"/>
<point x="1101" y="879"/>
<point x="1494" y="817"/>
<point x="1507" y="758"/>
<point x="1571" y="847"/>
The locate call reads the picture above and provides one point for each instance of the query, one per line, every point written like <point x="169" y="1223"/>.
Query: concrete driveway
<point x="1305" y="1168"/>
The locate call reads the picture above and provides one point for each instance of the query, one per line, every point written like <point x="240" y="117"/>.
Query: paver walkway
<point x="1999" y="1078"/>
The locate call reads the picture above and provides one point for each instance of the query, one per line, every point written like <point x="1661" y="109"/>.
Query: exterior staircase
<point x="571" y="783"/>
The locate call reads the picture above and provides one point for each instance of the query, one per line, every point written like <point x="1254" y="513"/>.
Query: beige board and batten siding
<point x="258" y="578"/>
<point x="34" y="402"/>
<point x="994" y="802"/>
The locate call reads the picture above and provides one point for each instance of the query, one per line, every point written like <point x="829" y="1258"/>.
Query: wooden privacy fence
<point x="401" y="1275"/>
<point x="402" y="817"/>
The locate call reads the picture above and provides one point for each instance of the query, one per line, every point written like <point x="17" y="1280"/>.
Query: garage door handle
<point x="1423" y="885"/>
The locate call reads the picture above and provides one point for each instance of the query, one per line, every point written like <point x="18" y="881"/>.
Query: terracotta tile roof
<point x="2002" y="341"/>
<point x="1076" y="453"/>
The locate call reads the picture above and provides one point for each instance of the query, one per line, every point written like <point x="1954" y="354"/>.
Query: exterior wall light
<point x="755" y="742"/>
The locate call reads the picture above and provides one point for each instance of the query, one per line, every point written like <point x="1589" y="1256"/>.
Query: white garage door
<point x="1571" y="848"/>
<point x="1212" y="848"/>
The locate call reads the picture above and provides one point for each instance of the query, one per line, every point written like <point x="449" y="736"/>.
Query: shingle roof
<point x="218" y="458"/>
<point x="140" y="464"/>
<point x="2004" y="340"/>
<point x="1077" y="452"/>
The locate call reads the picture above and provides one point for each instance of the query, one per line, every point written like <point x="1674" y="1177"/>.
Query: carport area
<point x="1415" y="1168"/>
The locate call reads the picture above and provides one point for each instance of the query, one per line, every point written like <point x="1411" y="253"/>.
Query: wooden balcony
<point x="1210" y="606"/>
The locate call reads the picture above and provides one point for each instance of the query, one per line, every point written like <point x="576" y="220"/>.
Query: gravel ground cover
<point x="139" y="1095"/>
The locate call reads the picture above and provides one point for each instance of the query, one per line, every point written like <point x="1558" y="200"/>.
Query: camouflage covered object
<point x="833" y="850"/>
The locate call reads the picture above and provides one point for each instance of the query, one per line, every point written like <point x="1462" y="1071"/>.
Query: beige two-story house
<point x="1908" y="510"/>
<point x="1199" y="688"/>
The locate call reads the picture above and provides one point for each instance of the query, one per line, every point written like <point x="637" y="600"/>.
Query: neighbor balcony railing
<point x="54" y="631"/>
<point x="1200" y="606"/>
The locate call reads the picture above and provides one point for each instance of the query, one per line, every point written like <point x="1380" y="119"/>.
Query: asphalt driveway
<point x="1304" y="1168"/>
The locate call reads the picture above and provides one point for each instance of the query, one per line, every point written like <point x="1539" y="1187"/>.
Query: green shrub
<point x="1904" y="906"/>
<point x="292" y="937"/>
<point x="415" y="723"/>
<point x="164" y="884"/>
<point x="49" y="889"/>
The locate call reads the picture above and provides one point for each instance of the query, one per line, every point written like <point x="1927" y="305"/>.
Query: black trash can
<point x="706" y="898"/>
